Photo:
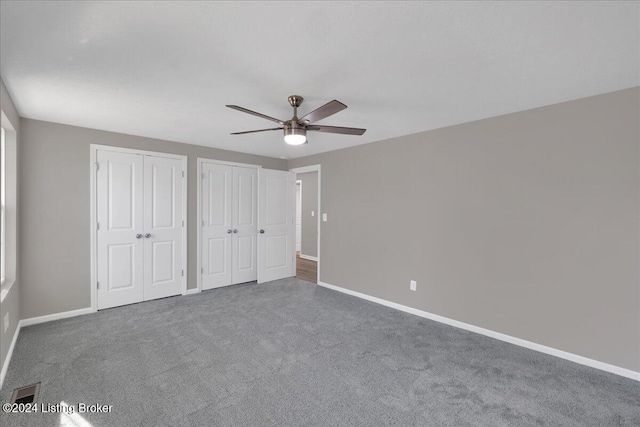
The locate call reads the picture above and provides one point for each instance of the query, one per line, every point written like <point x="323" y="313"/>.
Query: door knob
<point x="138" y="236"/>
<point x="147" y="235"/>
<point x="235" y="230"/>
<point x="261" y="231"/>
<point x="228" y="231"/>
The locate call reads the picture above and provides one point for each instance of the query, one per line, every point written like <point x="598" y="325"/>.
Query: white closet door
<point x="276" y="199"/>
<point x="162" y="227"/>
<point x="216" y="227"/>
<point x="245" y="227"/>
<point x="120" y="240"/>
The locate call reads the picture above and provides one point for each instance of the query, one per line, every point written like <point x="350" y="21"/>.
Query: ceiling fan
<point x="295" y="130"/>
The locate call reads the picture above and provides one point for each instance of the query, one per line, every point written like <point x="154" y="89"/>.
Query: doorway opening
<point x="307" y="223"/>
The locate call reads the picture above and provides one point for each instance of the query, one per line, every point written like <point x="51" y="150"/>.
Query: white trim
<point x="310" y="258"/>
<point x="10" y="210"/>
<point x="5" y="288"/>
<point x="56" y="316"/>
<point x="305" y="169"/>
<point x="314" y="168"/>
<point x="93" y="238"/>
<point x="95" y="147"/>
<point x="93" y="212"/>
<point x="496" y="335"/>
<point x="5" y="366"/>
<point x="185" y="226"/>
<point x="192" y="291"/>
<point x="200" y="161"/>
<point x="223" y="162"/>
<point x="199" y="226"/>
<point x="34" y="321"/>
<point x="295" y="218"/>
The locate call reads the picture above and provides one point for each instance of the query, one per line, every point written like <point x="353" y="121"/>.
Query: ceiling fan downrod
<point x="295" y="101"/>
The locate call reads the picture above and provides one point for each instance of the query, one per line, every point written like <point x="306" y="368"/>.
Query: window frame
<point x="3" y="206"/>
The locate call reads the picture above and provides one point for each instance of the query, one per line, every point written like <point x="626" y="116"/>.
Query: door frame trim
<point x="200" y="161"/>
<point x="304" y="169"/>
<point x="295" y="218"/>
<point x="93" y="151"/>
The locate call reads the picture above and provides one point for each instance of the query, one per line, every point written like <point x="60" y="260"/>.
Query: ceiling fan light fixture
<point x="295" y="136"/>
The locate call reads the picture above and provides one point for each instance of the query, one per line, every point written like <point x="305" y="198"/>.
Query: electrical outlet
<point x="313" y="213"/>
<point x="5" y="323"/>
<point x="324" y="217"/>
<point x="412" y="285"/>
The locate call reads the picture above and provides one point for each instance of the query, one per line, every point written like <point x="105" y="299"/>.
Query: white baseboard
<point x="55" y="316"/>
<point x="497" y="335"/>
<point x="192" y="291"/>
<point x="5" y="366"/>
<point x="310" y="258"/>
<point x="34" y="321"/>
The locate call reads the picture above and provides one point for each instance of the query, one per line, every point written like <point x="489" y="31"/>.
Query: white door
<point x="276" y="198"/>
<point x="298" y="216"/>
<point x="120" y="242"/>
<point x="163" y="224"/>
<point x="245" y="228"/>
<point x="216" y="228"/>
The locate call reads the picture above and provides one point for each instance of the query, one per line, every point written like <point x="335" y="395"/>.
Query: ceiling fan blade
<point x="320" y="113"/>
<point x="253" y="131"/>
<point x="337" y="129"/>
<point x="244" y="110"/>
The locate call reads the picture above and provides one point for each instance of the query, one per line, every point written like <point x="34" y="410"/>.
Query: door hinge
<point x="98" y="285"/>
<point x="183" y="222"/>
<point x="97" y="166"/>
<point x="202" y="270"/>
<point x="182" y="273"/>
<point x="97" y="226"/>
<point x="183" y="174"/>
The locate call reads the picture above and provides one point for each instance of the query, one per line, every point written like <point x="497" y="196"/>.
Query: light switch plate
<point x="412" y="285"/>
<point x="324" y="217"/>
<point x="313" y="213"/>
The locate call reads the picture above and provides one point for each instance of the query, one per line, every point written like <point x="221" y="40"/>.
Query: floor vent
<point x="28" y="394"/>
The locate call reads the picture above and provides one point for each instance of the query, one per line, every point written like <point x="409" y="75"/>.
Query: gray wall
<point x="54" y="185"/>
<point x="525" y="224"/>
<point x="11" y="303"/>
<point x="309" y="203"/>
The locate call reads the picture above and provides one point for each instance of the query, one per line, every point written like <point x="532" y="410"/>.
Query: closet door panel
<point x="119" y="207"/>
<point x="216" y="228"/>
<point x="245" y="215"/>
<point x="162" y="227"/>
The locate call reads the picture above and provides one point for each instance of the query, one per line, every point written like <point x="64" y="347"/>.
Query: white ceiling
<point x="166" y="69"/>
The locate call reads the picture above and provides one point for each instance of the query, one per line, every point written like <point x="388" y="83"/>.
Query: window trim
<point x="9" y="185"/>
<point x="3" y="206"/>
